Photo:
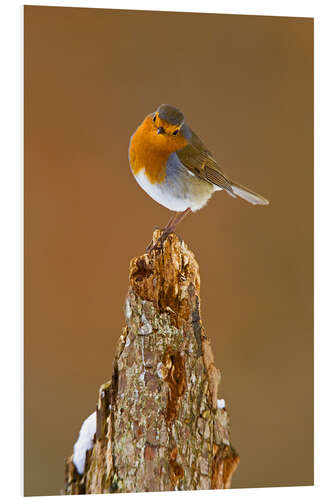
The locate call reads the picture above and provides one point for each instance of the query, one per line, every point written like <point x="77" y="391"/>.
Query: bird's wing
<point x="196" y="157"/>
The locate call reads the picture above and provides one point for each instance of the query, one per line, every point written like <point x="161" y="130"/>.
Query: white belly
<point x="163" y="193"/>
<point x="180" y="189"/>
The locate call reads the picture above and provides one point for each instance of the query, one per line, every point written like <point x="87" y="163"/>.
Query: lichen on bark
<point x="158" y="424"/>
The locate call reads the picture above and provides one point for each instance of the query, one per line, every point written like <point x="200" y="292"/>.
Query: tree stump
<point x="160" y="426"/>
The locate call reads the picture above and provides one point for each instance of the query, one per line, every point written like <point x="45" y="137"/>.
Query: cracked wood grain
<point x="158" y="424"/>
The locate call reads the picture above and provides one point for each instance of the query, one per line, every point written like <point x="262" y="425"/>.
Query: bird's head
<point x="164" y="129"/>
<point x="168" y="120"/>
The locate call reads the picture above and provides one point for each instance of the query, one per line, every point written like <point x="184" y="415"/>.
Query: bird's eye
<point x="175" y="132"/>
<point x="154" y="118"/>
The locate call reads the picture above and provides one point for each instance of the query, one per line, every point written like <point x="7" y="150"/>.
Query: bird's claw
<point x="159" y="243"/>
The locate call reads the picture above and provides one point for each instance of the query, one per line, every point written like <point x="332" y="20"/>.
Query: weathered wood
<point x="159" y="427"/>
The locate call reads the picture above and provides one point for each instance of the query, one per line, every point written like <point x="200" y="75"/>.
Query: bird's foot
<point x="151" y="244"/>
<point x="159" y="243"/>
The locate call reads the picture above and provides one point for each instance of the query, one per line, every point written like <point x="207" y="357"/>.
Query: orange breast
<point x="150" y="151"/>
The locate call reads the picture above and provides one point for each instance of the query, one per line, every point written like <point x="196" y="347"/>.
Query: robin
<point x="175" y="168"/>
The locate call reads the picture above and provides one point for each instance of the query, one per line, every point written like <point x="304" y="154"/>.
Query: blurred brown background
<point x="245" y="85"/>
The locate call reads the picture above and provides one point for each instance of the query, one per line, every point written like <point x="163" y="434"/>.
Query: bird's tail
<point x="247" y="194"/>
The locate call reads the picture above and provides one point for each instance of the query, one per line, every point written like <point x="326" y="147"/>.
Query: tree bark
<point x="159" y="427"/>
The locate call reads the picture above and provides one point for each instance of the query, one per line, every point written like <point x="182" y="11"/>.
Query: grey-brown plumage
<point x="200" y="161"/>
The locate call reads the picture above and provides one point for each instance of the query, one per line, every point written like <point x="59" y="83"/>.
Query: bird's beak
<point x="160" y="130"/>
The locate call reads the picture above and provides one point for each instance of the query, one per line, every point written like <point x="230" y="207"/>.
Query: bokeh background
<point x="245" y="84"/>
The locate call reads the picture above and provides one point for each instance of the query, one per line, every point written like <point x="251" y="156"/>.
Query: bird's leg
<point x="169" y="228"/>
<point x="181" y="216"/>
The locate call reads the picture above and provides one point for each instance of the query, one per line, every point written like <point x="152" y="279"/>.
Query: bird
<point x="175" y="168"/>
